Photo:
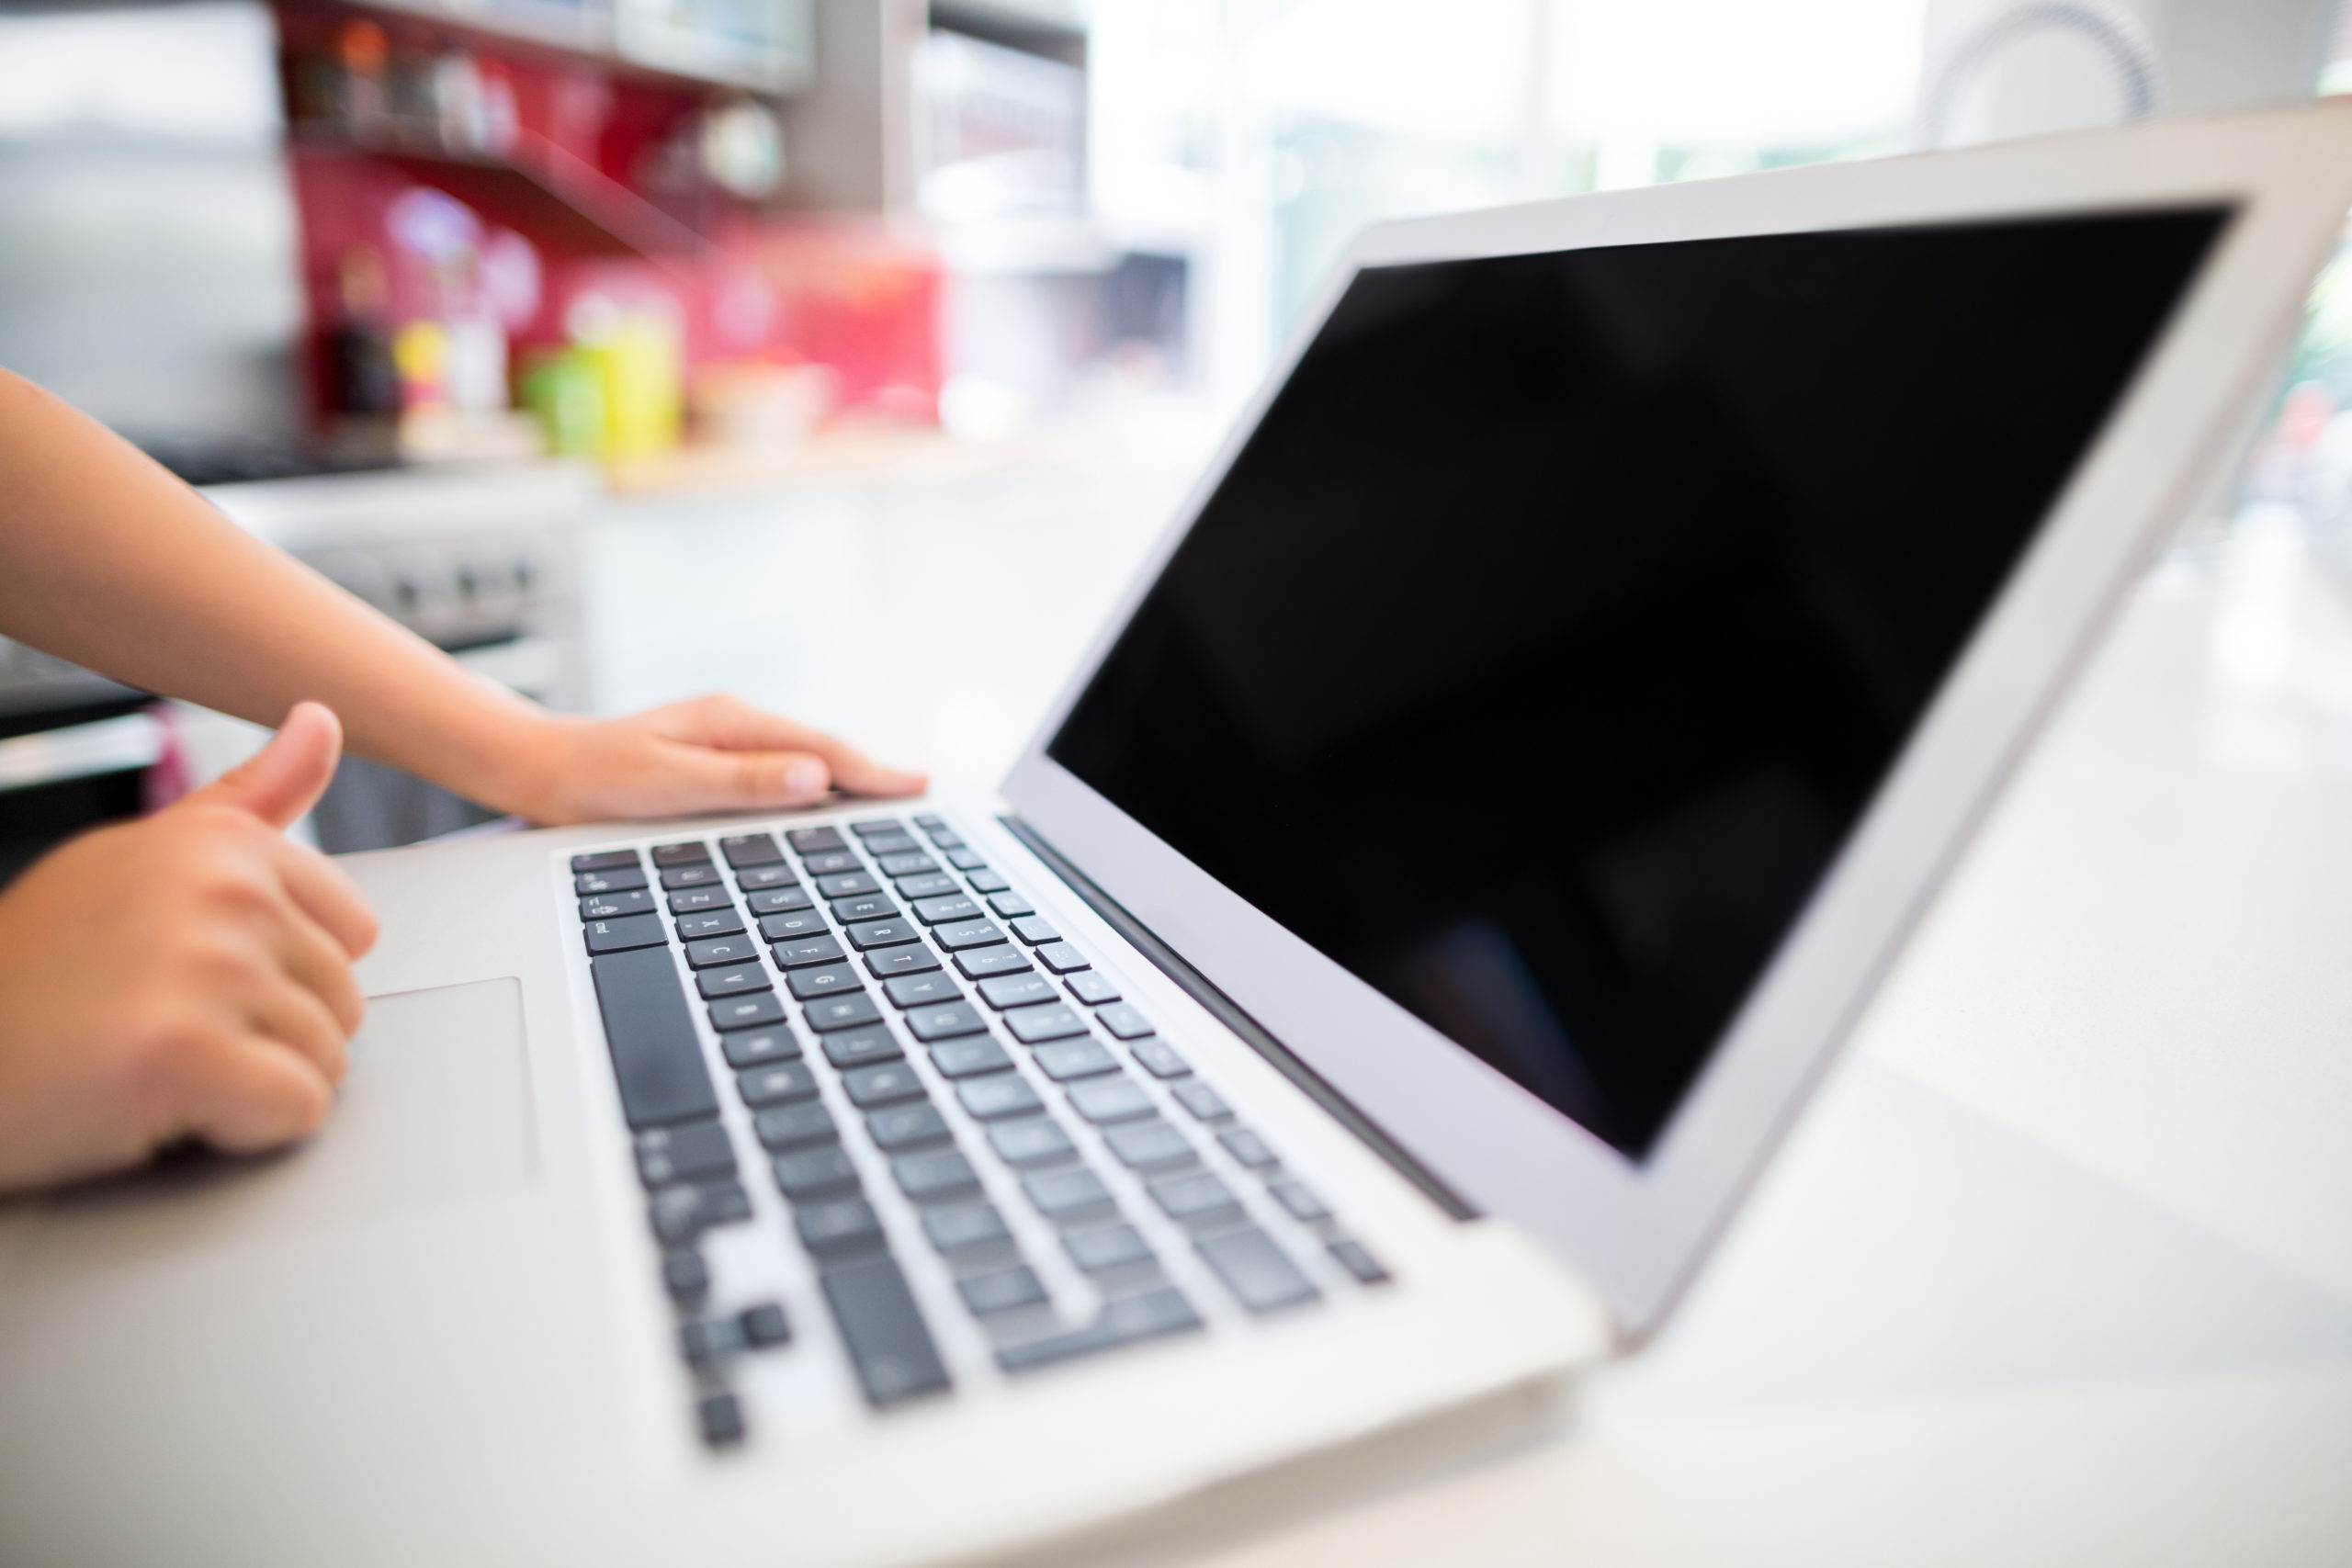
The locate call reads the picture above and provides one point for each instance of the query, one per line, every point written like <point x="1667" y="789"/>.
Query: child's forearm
<point x="108" y="560"/>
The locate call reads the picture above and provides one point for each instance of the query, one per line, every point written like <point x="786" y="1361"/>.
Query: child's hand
<point x="187" y="974"/>
<point x="711" y="754"/>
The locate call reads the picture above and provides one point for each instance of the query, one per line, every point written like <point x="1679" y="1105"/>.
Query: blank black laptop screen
<point x="1551" y="632"/>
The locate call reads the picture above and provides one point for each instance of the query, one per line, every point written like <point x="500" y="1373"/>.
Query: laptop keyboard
<point x="823" y="972"/>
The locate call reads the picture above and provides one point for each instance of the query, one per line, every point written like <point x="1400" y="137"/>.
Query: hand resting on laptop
<point x="190" y="975"/>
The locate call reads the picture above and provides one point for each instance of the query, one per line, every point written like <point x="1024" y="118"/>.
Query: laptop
<point x="1396" y="953"/>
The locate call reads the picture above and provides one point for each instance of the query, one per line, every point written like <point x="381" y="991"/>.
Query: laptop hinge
<point x="1229" y="1012"/>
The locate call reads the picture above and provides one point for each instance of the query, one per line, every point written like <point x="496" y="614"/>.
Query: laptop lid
<point x="1561" y="691"/>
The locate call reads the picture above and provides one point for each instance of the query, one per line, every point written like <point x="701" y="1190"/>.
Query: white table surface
<point x="2058" y="1267"/>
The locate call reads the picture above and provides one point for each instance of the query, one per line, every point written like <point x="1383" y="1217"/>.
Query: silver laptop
<point x="1398" y="952"/>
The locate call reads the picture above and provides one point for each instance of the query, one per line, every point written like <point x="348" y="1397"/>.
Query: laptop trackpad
<point x="435" y="1109"/>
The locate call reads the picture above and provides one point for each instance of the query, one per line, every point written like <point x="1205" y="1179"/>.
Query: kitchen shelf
<point x="568" y="201"/>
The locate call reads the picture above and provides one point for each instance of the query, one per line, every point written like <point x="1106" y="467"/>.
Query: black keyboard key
<point x="1017" y="990"/>
<point x="882" y="933"/>
<point x="685" y="1153"/>
<point x="968" y="1058"/>
<point x="964" y="860"/>
<point x="1001" y="1290"/>
<point x="828" y="864"/>
<point x="1064" y="1196"/>
<point x="840" y="1229"/>
<point x="785" y="1127"/>
<point x="867" y="906"/>
<point x="693" y="851"/>
<point x="935" y="1176"/>
<point x="884" y="963"/>
<point x="824" y="980"/>
<point x="697" y="900"/>
<point x="1202" y="1101"/>
<point x="866" y="827"/>
<point x="718" y="922"/>
<point x="684" y="1275"/>
<point x="712" y="952"/>
<point x="1258" y="1273"/>
<point x="763" y="878"/>
<point x="848" y="885"/>
<point x="613" y="905"/>
<point x="1358" y="1261"/>
<point x="960" y="934"/>
<point x="906" y="864"/>
<point x="1123" y="1021"/>
<point x="781" y="901"/>
<point x="1062" y="958"/>
<point x="827" y="1013"/>
<point x="822" y="1172"/>
<point x="1036" y="1025"/>
<point x="1099" y="1247"/>
<point x="906" y="1127"/>
<point x="953" y="908"/>
<point x="986" y="881"/>
<point x="802" y="952"/>
<point x="751" y="849"/>
<point x="760" y="1047"/>
<point x="884" y="1083"/>
<point x="927" y="1024"/>
<point x="793" y="926"/>
<point x="778" y="1084"/>
<point x="1300" y="1200"/>
<point x="814" y="840"/>
<point x="847" y="1048"/>
<point x="884" y="1330"/>
<point x="1025" y="1144"/>
<point x="719" y="1418"/>
<point x="1159" y="1058"/>
<point x="707" y="1341"/>
<point x="629" y="931"/>
<point x="1199" y="1199"/>
<point x="997" y="1095"/>
<point x="945" y="837"/>
<point x="682" y="1213"/>
<point x="1093" y="987"/>
<point x="657" y="1059"/>
<point x="920" y="990"/>
<point x="740" y="980"/>
<point x="1105" y="1101"/>
<point x="1148" y="1146"/>
<point x="1066" y="1059"/>
<point x="1011" y="905"/>
<point x="1248" y="1148"/>
<point x="765" y="1326"/>
<point x="604" y="860"/>
<point x="746" y="1012"/>
<point x="991" y="961"/>
<point x="954" y="1226"/>
<point x="1127" y="1321"/>
<point x="678" y="877"/>
<point x="590" y="884"/>
<point x="930" y="821"/>
<point x="913" y="888"/>
<point x="896" y="843"/>
<point x="1035" y="930"/>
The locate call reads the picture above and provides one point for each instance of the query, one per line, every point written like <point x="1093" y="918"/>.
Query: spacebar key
<point x="656" y="1057"/>
<point x="883" y="1330"/>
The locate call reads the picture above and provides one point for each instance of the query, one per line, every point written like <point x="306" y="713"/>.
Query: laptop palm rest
<point x="434" y="1111"/>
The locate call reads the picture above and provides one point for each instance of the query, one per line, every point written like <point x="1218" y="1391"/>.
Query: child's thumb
<point x="286" y="777"/>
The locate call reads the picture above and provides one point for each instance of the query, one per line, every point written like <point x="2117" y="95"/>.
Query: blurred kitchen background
<point x="850" y="353"/>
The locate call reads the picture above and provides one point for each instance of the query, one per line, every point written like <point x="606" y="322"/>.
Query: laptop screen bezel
<point x="1635" y="1232"/>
